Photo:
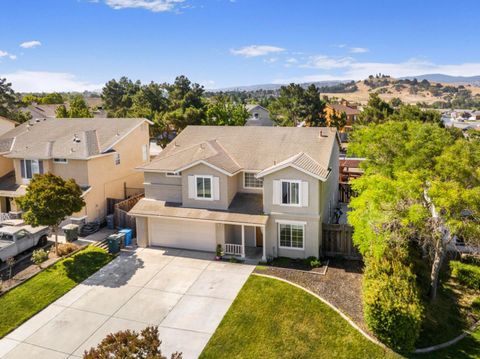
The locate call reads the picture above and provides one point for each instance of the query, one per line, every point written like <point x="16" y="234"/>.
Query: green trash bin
<point x="121" y="238"/>
<point x="71" y="232"/>
<point x="114" y="243"/>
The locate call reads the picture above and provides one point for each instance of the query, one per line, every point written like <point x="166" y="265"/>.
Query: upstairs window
<point x="204" y="187"/>
<point x="250" y="181"/>
<point x="60" y="160"/>
<point x="29" y="168"/>
<point x="291" y="192"/>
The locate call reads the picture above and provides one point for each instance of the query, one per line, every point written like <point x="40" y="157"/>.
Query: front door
<point x="259" y="237"/>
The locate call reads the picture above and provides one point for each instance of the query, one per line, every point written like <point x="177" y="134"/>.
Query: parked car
<point x="17" y="237"/>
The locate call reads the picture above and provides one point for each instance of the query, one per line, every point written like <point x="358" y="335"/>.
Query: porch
<point x="245" y="242"/>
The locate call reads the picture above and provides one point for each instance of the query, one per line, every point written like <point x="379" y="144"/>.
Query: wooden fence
<point x="121" y="217"/>
<point x="337" y="241"/>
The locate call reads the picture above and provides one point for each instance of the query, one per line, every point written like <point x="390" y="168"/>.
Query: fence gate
<point x="121" y="217"/>
<point x="337" y="241"/>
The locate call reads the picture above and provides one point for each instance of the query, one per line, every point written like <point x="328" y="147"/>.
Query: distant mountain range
<point x="277" y="86"/>
<point x="473" y="80"/>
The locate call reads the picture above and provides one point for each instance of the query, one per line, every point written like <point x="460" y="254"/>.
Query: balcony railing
<point x="233" y="249"/>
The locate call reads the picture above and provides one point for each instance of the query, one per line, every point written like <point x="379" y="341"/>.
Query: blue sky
<point x="80" y="44"/>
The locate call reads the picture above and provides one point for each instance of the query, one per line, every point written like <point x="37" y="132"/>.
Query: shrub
<point x="39" y="256"/>
<point x="392" y="304"/>
<point x="130" y="344"/>
<point x="314" y="262"/>
<point x="466" y="274"/>
<point x="476" y="306"/>
<point x="66" y="248"/>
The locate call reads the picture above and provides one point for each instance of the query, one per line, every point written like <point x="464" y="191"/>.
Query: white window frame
<point x="244" y="181"/>
<point x="173" y="174"/>
<point x="60" y="161"/>
<point x="116" y="159"/>
<point x="291" y="223"/>
<point x="26" y="178"/>
<point x="212" y="195"/>
<point x="299" y="182"/>
<point x="145" y="153"/>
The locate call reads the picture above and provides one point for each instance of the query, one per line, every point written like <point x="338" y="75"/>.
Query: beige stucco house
<point x="99" y="154"/>
<point x="259" y="116"/>
<point x="256" y="191"/>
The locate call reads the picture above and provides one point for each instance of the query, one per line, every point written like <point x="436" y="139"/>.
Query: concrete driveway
<point x="184" y="292"/>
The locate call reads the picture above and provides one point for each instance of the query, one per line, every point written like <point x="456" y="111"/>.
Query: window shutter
<point x="304" y="193"/>
<point x="216" y="188"/>
<point x="191" y="187"/>
<point x="40" y="167"/>
<point x="22" y="168"/>
<point x="277" y="192"/>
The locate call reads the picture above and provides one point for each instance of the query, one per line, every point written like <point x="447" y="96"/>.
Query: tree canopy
<point x="77" y="108"/>
<point x="10" y="103"/>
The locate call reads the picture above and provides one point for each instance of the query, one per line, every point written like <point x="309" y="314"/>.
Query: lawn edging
<point x="449" y="343"/>
<point x="343" y="315"/>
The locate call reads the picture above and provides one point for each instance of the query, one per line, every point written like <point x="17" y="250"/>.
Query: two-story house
<point x="99" y="154"/>
<point x="256" y="191"/>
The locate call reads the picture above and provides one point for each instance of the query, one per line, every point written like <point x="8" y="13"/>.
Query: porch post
<point x="264" y="232"/>
<point x="243" y="241"/>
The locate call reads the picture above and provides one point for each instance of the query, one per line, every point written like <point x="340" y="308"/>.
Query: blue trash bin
<point x="128" y="235"/>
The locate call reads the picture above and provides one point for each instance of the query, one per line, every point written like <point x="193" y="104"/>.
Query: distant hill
<point x="277" y="86"/>
<point x="473" y="80"/>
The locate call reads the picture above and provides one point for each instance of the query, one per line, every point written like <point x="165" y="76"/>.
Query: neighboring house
<point x="259" y="116"/>
<point x="338" y="109"/>
<point x="41" y="111"/>
<point x="256" y="191"/>
<point x="100" y="154"/>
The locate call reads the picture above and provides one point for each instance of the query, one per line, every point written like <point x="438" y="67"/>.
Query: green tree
<point x="78" y="108"/>
<point x="130" y="344"/>
<point x="118" y="95"/>
<point x="376" y="111"/>
<point x="314" y="107"/>
<point x="289" y="108"/>
<point x="415" y="113"/>
<point x="338" y="119"/>
<point x="221" y="111"/>
<point x="49" y="199"/>
<point x="421" y="184"/>
<point x="10" y="103"/>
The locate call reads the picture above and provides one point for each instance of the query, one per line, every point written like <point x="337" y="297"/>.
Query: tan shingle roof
<point x="73" y="138"/>
<point x="234" y="148"/>
<point x="342" y="108"/>
<point x="301" y="161"/>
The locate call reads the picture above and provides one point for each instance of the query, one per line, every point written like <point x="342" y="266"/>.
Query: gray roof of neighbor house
<point x="251" y="107"/>
<point x="41" y="111"/>
<point x="72" y="138"/>
<point x="236" y="148"/>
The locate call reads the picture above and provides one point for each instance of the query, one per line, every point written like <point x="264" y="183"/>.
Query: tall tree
<point x="10" y="103"/>
<point x="221" y="111"/>
<point x="314" y="107"/>
<point x="289" y="108"/>
<point x="421" y="183"/>
<point x="118" y="95"/>
<point x="78" y="108"/>
<point x="376" y="111"/>
<point x="49" y="200"/>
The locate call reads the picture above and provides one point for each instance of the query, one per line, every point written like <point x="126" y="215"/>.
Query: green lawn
<point x="272" y="319"/>
<point x="29" y="298"/>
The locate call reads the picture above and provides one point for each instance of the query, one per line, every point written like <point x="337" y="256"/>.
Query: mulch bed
<point x="341" y="285"/>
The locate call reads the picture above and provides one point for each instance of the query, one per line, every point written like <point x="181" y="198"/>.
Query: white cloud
<point x="358" y="50"/>
<point x="327" y="63"/>
<point x="151" y="5"/>
<point x="256" y="50"/>
<point x="37" y="81"/>
<point x="271" y="60"/>
<point x="292" y="60"/>
<point x="7" y="54"/>
<point x="30" y="44"/>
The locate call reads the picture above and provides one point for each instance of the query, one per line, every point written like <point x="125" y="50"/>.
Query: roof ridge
<point x="226" y="152"/>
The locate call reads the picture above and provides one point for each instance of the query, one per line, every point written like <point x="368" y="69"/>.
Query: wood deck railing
<point x="233" y="249"/>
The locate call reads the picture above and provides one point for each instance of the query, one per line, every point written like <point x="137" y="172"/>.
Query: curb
<point x="449" y="343"/>
<point x="343" y="315"/>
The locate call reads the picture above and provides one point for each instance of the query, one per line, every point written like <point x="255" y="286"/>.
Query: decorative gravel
<point x="341" y="285"/>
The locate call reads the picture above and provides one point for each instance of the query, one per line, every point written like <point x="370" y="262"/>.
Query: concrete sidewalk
<point x="184" y="292"/>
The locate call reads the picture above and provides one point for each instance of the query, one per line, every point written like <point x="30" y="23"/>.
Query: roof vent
<point x="37" y="120"/>
<point x="202" y="146"/>
<point x="322" y="135"/>
<point x="76" y="139"/>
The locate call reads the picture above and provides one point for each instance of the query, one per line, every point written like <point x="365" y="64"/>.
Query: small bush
<point x="39" y="256"/>
<point x="466" y="274"/>
<point x="476" y="306"/>
<point x="314" y="262"/>
<point x="66" y="248"/>
<point x="392" y="304"/>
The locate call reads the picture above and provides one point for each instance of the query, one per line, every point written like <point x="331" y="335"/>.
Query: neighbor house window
<point x="174" y="174"/>
<point x="30" y="167"/>
<point x="144" y="153"/>
<point x="203" y="186"/>
<point x="291" y="192"/>
<point x="117" y="159"/>
<point x="291" y="235"/>
<point x="60" y="160"/>
<point x="250" y="181"/>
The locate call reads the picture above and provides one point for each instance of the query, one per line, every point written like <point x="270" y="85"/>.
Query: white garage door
<point x="182" y="234"/>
